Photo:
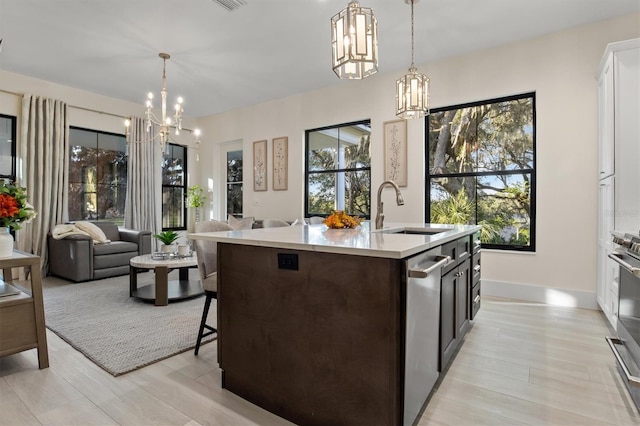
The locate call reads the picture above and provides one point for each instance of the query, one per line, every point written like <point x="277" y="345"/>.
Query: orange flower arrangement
<point x="340" y="220"/>
<point x="14" y="207"/>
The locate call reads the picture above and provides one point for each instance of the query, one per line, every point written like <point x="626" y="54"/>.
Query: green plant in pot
<point x="195" y="199"/>
<point x="167" y="238"/>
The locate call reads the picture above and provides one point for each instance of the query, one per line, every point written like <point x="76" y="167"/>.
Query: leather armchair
<point x="78" y="259"/>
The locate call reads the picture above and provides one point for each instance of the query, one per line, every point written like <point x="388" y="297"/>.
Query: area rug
<point x="115" y="331"/>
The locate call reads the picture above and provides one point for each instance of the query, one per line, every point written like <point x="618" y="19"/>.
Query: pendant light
<point x="354" y="42"/>
<point x="165" y="122"/>
<point x="412" y="89"/>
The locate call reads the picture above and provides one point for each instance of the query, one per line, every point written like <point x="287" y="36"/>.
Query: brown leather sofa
<point x="78" y="259"/>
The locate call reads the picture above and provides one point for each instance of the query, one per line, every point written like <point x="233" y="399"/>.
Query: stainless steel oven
<point x="626" y="347"/>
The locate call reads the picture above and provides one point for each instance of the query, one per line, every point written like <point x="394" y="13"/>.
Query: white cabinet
<point x="618" y="161"/>
<point x="605" y="118"/>
<point x="626" y="94"/>
<point x="605" y="246"/>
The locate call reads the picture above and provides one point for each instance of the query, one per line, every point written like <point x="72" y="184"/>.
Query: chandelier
<point x="165" y="123"/>
<point x="354" y="42"/>
<point x="412" y="89"/>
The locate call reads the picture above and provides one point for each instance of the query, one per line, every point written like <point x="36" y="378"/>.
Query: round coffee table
<point x="164" y="291"/>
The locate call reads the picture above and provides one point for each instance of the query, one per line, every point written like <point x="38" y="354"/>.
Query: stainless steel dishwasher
<point x="423" y="273"/>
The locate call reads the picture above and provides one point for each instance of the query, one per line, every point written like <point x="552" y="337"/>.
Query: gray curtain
<point x="43" y="169"/>
<point x="143" y="206"/>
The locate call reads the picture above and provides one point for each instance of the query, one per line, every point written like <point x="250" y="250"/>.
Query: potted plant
<point x="195" y="199"/>
<point x="167" y="238"/>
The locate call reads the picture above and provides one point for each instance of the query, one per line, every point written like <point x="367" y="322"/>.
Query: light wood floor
<point x="521" y="363"/>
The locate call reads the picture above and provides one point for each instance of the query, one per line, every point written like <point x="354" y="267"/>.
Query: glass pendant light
<point x="412" y="89"/>
<point x="354" y="42"/>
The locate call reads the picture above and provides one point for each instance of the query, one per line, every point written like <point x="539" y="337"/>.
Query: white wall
<point x="560" y="68"/>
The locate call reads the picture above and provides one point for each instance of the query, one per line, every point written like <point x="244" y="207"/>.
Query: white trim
<point x="617" y="46"/>
<point x="548" y="295"/>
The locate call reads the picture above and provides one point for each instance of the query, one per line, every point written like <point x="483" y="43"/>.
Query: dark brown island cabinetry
<point x="454" y="298"/>
<point x="324" y="338"/>
<point x="320" y="344"/>
<point x="474" y="298"/>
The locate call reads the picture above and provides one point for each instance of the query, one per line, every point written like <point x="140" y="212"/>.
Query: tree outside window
<point x="481" y="169"/>
<point x="338" y="170"/>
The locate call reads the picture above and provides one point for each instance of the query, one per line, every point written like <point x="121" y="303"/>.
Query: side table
<point x="22" y="315"/>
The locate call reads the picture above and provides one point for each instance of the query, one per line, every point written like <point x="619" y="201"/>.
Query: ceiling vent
<point x="230" y="5"/>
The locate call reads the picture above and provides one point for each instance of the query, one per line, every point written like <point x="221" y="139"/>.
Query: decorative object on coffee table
<point x="167" y="238"/>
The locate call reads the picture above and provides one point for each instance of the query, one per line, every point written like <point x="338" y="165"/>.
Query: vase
<point x="168" y="248"/>
<point x="6" y="242"/>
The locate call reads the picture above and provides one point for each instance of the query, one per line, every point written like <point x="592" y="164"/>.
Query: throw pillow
<point x="96" y="233"/>
<point x="244" y="223"/>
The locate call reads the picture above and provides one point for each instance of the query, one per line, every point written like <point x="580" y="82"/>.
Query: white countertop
<point x="362" y="241"/>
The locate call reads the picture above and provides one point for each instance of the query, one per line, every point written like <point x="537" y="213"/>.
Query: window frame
<point x="97" y="134"/>
<point x="239" y="183"/>
<point x="184" y="187"/>
<point x="307" y="172"/>
<point x="531" y="171"/>
<point x="14" y="135"/>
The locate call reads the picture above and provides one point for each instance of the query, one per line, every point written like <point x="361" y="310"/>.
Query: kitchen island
<point x="335" y="327"/>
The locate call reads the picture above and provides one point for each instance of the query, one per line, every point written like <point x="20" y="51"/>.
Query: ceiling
<point x="266" y="49"/>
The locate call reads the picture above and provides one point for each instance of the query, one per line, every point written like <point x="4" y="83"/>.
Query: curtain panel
<point x="143" y="209"/>
<point x="43" y="169"/>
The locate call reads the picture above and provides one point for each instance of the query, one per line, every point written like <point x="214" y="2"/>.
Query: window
<point x="338" y="170"/>
<point x="7" y="147"/>
<point x="174" y="187"/>
<point x="481" y="169"/>
<point x="234" y="183"/>
<point x="97" y="175"/>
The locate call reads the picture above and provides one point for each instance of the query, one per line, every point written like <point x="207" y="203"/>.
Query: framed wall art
<point x="280" y="164"/>
<point x="260" y="165"/>
<point x="395" y="151"/>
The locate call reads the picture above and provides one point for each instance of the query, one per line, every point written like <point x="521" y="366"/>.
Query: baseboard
<point x="548" y="295"/>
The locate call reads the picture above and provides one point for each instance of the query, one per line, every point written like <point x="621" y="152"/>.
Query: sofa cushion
<point x="115" y="260"/>
<point x="96" y="233"/>
<point x="274" y="223"/>
<point x="240" y="224"/>
<point x="110" y="229"/>
<point x="114" y="247"/>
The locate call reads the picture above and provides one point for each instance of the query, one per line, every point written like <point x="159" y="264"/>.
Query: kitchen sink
<point x="415" y="231"/>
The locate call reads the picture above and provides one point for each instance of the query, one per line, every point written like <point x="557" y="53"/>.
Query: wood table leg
<point x="38" y="304"/>
<point x="162" y="285"/>
<point x="133" y="280"/>
<point x="7" y="275"/>
<point x="183" y="274"/>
